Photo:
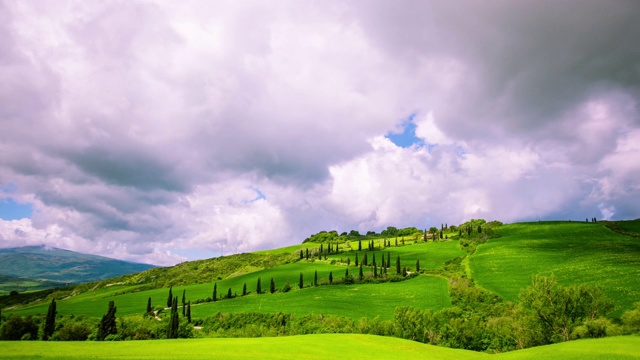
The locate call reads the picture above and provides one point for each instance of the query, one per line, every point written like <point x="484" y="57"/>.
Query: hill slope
<point x="62" y="266"/>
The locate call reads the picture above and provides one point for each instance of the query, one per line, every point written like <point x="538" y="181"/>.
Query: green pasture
<point x="575" y="252"/>
<point x="620" y="347"/>
<point x="354" y="301"/>
<point x="423" y="292"/>
<point x="432" y="255"/>
<point x="325" y="346"/>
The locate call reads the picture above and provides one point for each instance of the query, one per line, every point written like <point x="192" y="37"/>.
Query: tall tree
<point x="189" y="312"/>
<point x="315" y="278"/>
<point x="244" y="289"/>
<point x="356" y="259"/>
<point x="346" y="273"/>
<point x="259" y="286"/>
<point x="174" y="321"/>
<point x="359" y="247"/>
<point x="330" y="277"/>
<point x="360" y="274"/>
<point x="398" y="269"/>
<point x="418" y="265"/>
<point x="272" y="286"/>
<point x="149" y="308"/>
<point x="215" y="291"/>
<point x="170" y="298"/>
<point x="375" y="270"/>
<point x="301" y="281"/>
<point x="229" y="294"/>
<point x="108" y="322"/>
<point x="50" y="322"/>
<point x="364" y="260"/>
<point x="301" y="254"/>
<point x="184" y="302"/>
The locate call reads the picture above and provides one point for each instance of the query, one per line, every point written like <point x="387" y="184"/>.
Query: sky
<point x="164" y="131"/>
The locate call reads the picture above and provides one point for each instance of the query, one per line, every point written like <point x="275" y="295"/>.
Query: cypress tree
<point x="360" y="275"/>
<point x="301" y="282"/>
<point x="441" y="236"/>
<point x="215" y="291"/>
<point x="388" y="258"/>
<point x="149" y="308"/>
<point x="385" y="271"/>
<point x="359" y="247"/>
<point x="375" y="271"/>
<point x="189" y="312"/>
<point x="184" y="302"/>
<point x="301" y="254"/>
<point x="356" y="259"/>
<point x="404" y="271"/>
<point x="229" y="294"/>
<point x="330" y="277"/>
<point x="50" y="322"/>
<point x="108" y="322"/>
<point x="364" y="260"/>
<point x="315" y="278"/>
<point x="346" y="273"/>
<point x="244" y="289"/>
<point x="259" y="287"/>
<point x="170" y="298"/>
<point x="307" y="253"/>
<point x="398" y="269"/>
<point x="174" y="321"/>
<point x="321" y="250"/>
<point x="383" y="264"/>
<point x="374" y="259"/>
<point x="418" y="265"/>
<point x="272" y="286"/>
<point x="348" y="261"/>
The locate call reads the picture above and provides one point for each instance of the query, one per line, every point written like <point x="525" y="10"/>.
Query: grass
<point x="620" y="347"/>
<point x="325" y="346"/>
<point x="343" y="300"/>
<point x="576" y="253"/>
<point x="354" y="301"/>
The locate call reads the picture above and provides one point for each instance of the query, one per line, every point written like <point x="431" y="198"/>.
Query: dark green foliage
<point x="365" y="261"/>
<point x="357" y="259"/>
<point x="74" y="331"/>
<point x="330" y="277"/>
<point x="184" y="302"/>
<point x="375" y="270"/>
<point x="244" y="289"/>
<point x="170" y="297"/>
<point x="307" y="254"/>
<point x="149" y="308"/>
<point x="360" y="274"/>
<point x="315" y="278"/>
<point x="229" y="294"/>
<point x="286" y="287"/>
<point x="259" y="286"/>
<point x="189" y="312"/>
<point x="50" y="321"/>
<point x="346" y="272"/>
<point x="301" y="255"/>
<point x="174" y="321"/>
<point x="107" y="324"/>
<point x="404" y="271"/>
<point x="214" y="296"/>
<point x="418" y="265"/>
<point x="398" y="269"/>
<point x="19" y="328"/>
<point x="301" y="281"/>
<point x="272" y="286"/>
<point x="359" y="249"/>
<point x="388" y="258"/>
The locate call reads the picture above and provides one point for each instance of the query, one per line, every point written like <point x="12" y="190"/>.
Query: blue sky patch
<point x="408" y="137"/>
<point x="11" y="210"/>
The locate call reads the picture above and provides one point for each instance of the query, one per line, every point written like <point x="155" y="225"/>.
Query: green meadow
<point x="575" y="252"/>
<point x="325" y="346"/>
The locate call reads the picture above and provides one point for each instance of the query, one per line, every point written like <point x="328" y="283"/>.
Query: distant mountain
<point x="46" y="264"/>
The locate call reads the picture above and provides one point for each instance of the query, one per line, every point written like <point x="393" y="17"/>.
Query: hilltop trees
<point x="108" y="322"/>
<point x="50" y="321"/>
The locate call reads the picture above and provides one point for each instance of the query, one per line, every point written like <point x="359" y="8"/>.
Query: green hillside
<point x="43" y="264"/>
<point x="575" y="252"/>
<point x="326" y="346"/>
<point x="9" y="284"/>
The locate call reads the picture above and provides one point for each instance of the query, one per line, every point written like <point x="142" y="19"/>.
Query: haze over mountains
<point x="59" y="267"/>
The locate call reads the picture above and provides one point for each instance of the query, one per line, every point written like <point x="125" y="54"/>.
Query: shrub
<point x="74" y="331"/>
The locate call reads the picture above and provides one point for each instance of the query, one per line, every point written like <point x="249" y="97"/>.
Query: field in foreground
<point x="327" y="346"/>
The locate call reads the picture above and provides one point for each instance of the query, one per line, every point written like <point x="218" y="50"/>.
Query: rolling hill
<point x="43" y="265"/>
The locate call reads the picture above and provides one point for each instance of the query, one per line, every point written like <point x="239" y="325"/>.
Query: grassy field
<point x="333" y="346"/>
<point x="424" y="292"/>
<point x="576" y="253"/>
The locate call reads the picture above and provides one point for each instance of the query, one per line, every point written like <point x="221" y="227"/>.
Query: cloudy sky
<point x="164" y="131"/>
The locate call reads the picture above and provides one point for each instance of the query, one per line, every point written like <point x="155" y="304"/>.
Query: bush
<point x="74" y="331"/>
<point x="19" y="328"/>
